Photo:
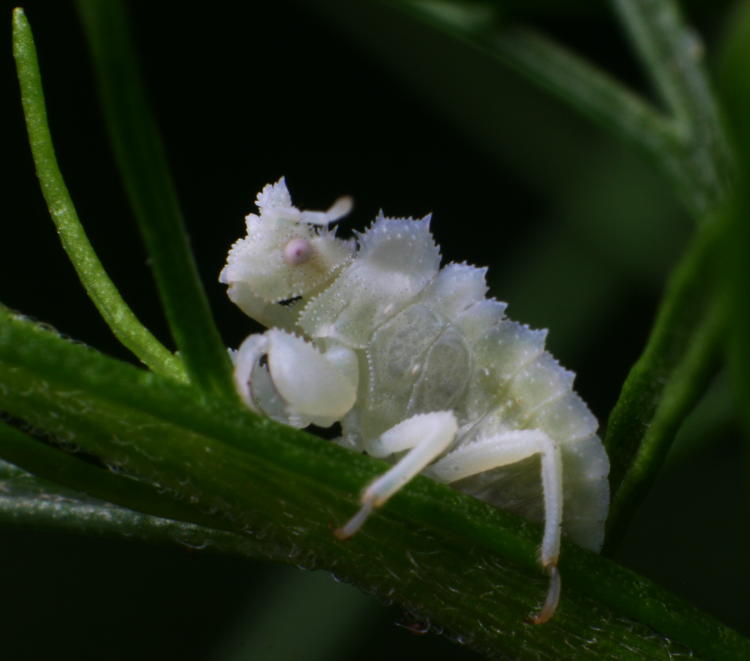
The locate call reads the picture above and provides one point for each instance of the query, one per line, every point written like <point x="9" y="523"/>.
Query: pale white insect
<point x="417" y="366"/>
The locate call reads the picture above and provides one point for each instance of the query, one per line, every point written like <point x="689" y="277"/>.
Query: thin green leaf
<point x="68" y="471"/>
<point x="102" y="291"/>
<point x="28" y="502"/>
<point x="142" y="162"/>
<point x="675" y="369"/>
<point x="287" y="489"/>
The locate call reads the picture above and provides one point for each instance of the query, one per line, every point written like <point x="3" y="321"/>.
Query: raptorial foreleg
<point x="291" y="380"/>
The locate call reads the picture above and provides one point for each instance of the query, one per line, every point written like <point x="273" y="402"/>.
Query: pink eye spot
<point x="297" y="252"/>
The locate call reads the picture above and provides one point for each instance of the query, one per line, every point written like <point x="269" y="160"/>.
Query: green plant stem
<point x="675" y="369"/>
<point x="287" y="489"/>
<point x="118" y="316"/>
<point x="143" y="164"/>
<point x="672" y="53"/>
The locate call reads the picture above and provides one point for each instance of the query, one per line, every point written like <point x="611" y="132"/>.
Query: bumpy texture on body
<point x="417" y="365"/>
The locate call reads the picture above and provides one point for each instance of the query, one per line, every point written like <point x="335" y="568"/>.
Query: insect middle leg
<point x="509" y="448"/>
<point x="426" y="436"/>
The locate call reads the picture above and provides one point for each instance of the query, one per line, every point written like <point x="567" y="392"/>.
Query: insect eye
<point x="297" y="251"/>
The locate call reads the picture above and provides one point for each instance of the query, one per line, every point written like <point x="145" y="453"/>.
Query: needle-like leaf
<point x="143" y="164"/>
<point x="102" y="291"/>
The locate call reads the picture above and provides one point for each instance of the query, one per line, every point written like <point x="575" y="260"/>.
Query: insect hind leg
<point x="426" y="436"/>
<point x="509" y="448"/>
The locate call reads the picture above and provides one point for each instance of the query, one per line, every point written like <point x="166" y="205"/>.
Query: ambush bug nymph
<point x="417" y="366"/>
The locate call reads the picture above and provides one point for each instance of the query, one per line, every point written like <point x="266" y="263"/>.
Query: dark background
<point x="579" y="231"/>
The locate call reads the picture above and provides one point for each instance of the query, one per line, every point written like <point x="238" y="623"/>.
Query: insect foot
<point x="425" y="436"/>
<point x="418" y="366"/>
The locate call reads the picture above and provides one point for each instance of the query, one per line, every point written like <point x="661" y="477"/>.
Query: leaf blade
<point x="101" y="290"/>
<point x="66" y="470"/>
<point x="28" y="502"/>
<point x="681" y="356"/>
<point x="141" y="158"/>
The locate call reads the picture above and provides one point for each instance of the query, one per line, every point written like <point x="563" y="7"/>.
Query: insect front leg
<point x="290" y="380"/>
<point x="510" y="448"/>
<point x="426" y="436"/>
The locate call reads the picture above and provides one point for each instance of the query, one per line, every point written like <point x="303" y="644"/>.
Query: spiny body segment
<point x="417" y="365"/>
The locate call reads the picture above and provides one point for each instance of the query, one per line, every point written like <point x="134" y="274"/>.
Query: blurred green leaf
<point x="142" y="162"/>
<point x="611" y="231"/>
<point x="735" y="60"/>
<point x="672" y="55"/>
<point x="688" y="146"/>
<point x="68" y="471"/>
<point x="28" y="502"/>
<point x="468" y="82"/>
